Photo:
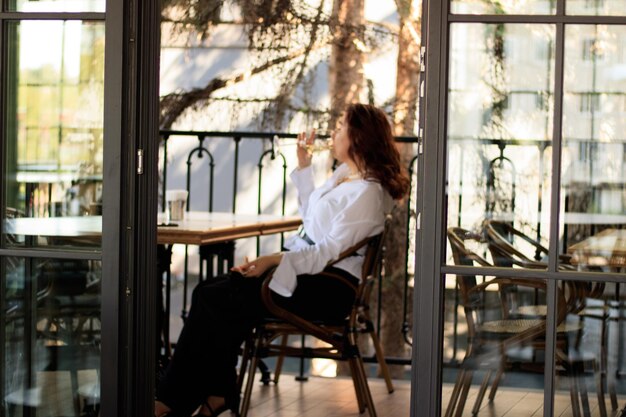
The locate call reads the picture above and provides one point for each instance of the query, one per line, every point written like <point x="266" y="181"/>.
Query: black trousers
<point x="223" y="312"/>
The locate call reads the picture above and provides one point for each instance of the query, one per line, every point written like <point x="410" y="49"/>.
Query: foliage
<point x="283" y="36"/>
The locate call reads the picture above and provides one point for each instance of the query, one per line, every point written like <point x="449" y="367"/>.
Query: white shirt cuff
<point x="284" y="281"/>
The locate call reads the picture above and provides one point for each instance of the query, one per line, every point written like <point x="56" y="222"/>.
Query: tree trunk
<point x="408" y="67"/>
<point x="346" y="60"/>
<point x="404" y="120"/>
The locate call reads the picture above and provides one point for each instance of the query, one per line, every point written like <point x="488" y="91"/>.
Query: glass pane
<point x="482" y="320"/>
<point x="596" y="7"/>
<point x="500" y="101"/>
<point x="57" y="6"/>
<point x="503" y="7"/>
<point x="593" y="182"/>
<point x="51" y="332"/>
<point x="54" y="132"/>
<point x="590" y="350"/>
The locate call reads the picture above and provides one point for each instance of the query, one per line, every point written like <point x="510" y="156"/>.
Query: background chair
<point x="69" y="319"/>
<point x="509" y="247"/>
<point x="52" y="319"/>
<point x="493" y="332"/>
<point x="341" y="337"/>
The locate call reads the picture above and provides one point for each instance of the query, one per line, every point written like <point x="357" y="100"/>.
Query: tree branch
<point x="174" y="104"/>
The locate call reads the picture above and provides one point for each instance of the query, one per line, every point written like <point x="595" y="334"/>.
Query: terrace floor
<point x="334" y="397"/>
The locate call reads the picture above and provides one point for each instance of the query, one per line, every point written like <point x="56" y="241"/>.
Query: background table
<point x="607" y="248"/>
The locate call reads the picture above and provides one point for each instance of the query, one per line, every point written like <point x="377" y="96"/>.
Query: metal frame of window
<point x="431" y="237"/>
<point x="113" y="385"/>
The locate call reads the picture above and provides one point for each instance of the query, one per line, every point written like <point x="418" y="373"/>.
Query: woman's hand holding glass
<point x="303" y="151"/>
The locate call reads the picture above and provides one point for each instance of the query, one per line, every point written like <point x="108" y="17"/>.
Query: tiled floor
<point x="328" y="397"/>
<point x="325" y="397"/>
<point x="321" y="397"/>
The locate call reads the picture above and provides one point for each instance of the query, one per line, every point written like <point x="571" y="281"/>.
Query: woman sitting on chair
<point x="347" y="208"/>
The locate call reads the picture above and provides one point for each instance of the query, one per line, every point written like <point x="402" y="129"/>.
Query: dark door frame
<point x="427" y="295"/>
<point x="133" y="53"/>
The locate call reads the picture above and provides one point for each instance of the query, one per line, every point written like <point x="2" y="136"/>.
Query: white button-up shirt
<point x="335" y="217"/>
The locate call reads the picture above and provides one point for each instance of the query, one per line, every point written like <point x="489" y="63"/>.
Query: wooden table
<point x="607" y="248"/>
<point x="201" y="228"/>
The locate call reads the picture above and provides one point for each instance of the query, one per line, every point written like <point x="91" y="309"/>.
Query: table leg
<point x="164" y="260"/>
<point x="224" y="253"/>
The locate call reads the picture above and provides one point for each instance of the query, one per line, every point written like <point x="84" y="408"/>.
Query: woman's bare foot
<point x="213" y="406"/>
<point x="160" y="409"/>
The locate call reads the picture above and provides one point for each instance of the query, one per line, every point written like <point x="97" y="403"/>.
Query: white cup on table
<point x="175" y="201"/>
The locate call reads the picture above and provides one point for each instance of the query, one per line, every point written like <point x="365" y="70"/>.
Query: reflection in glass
<point x="503" y="7"/>
<point x="596" y="7"/>
<point x="499" y="138"/>
<point x="494" y="341"/>
<point x="54" y="119"/>
<point x="45" y="6"/>
<point x="593" y="316"/>
<point x="51" y="329"/>
<point x="593" y="182"/>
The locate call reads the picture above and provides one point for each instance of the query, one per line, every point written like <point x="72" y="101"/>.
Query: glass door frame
<point x="128" y="251"/>
<point x="430" y="267"/>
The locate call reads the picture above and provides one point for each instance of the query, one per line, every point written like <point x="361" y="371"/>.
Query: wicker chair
<point x="505" y="249"/>
<point x="490" y="338"/>
<point x="268" y="339"/>
<point x="503" y="238"/>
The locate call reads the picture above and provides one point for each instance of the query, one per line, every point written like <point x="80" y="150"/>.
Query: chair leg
<point x="365" y="389"/>
<point x="76" y="397"/>
<point x="481" y="392"/>
<point x="280" y="359"/>
<point x="245" y="358"/>
<point x="496" y="383"/>
<point x="357" y="385"/>
<point x="467" y="382"/>
<point x="573" y="381"/>
<point x="253" y="362"/>
<point x="380" y="357"/>
<point x="455" y="393"/>
<point x="584" y="397"/>
<point x="613" y="395"/>
<point x="600" y="390"/>
<point x="608" y="379"/>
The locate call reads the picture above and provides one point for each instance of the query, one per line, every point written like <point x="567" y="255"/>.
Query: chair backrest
<point x="504" y="245"/>
<point x="464" y="255"/>
<point x="372" y="265"/>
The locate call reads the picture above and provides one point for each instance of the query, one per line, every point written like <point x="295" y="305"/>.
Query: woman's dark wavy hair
<point x="373" y="148"/>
